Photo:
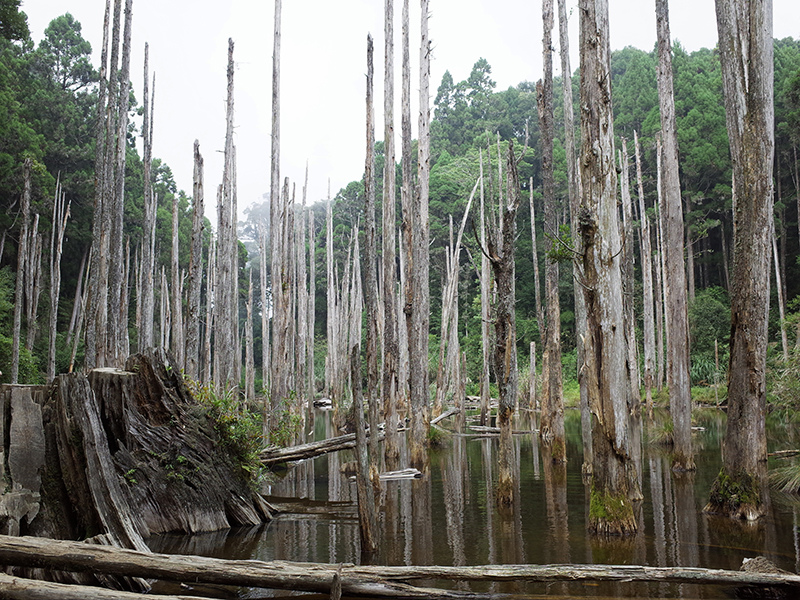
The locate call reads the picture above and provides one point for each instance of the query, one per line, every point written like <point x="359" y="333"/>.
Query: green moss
<point x="734" y="494"/>
<point x="609" y="507"/>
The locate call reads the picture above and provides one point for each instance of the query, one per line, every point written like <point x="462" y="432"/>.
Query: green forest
<point x="48" y="98"/>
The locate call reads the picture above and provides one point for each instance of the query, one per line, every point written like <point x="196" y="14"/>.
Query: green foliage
<point x="238" y="427"/>
<point x="13" y="22"/>
<point x="611" y="508"/>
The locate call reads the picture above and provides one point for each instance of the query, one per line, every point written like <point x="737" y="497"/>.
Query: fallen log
<point x="19" y="588"/>
<point x="784" y="454"/>
<point x="272" y="456"/>
<point x="376" y="581"/>
<point x="450" y="412"/>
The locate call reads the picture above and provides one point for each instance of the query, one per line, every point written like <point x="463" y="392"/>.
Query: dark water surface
<point x="449" y="517"/>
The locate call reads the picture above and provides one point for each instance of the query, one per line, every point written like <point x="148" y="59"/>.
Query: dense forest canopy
<point x="48" y="106"/>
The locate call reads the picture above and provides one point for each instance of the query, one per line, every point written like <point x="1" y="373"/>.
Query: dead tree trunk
<point x="226" y="328"/>
<point x="59" y="226"/>
<point x="574" y="190"/>
<point x="146" y="301"/>
<point x="22" y="247"/>
<point x="661" y="325"/>
<point x="746" y="56"/>
<point x="33" y="283"/>
<point x="552" y="424"/>
<point x="418" y="303"/>
<point x="485" y="309"/>
<point x="676" y="303"/>
<point x="211" y="276"/>
<point x="391" y="350"/>
<point x="177" y="300"/>
<point x="606" y="369"/>
<point x="195" y="270"/>
<point x="501" y="254"/>
<point x="117" y="343"/>
<point x="249" y="361"/>
<point x="370" y="271"/>
<point x="647" y="285"/>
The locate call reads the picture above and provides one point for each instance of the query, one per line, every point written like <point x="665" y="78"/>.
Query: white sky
<point x="323" y="67"/>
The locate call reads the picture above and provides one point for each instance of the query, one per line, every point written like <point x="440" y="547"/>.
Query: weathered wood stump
<point x="116" y="457"/>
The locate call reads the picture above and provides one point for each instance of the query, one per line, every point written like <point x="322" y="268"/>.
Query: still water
<point x="449" y="517"/>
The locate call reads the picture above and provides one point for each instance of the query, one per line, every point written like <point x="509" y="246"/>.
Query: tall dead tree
<point x="176" y="299"/>
<point x="406" y="191"/>
<point x="195" y="269"/>
<point x="605" y="351"/>
<point x="249" y="362"/>
<point x="302" y="300"/>
<point x="263" y="242"/>
<point x="371" y="271"/>
<point x="22" y="247"/>
<point x="746" y="57"/>
<point x="33" y="283"/>
<point x="391" y="351"/>
<point x="226" y="307"/>
<point x="676" y="303"/>
<point x="574" y="190"/>
<point x="501" y="254"/>
<point x="628" y="282"/>
<point x="418" y="303"/>
<point x="211" y="276"/>
<point x="97" y="305"/>
<point x="59" y="226"/>
<point x="146" y="270"/>
<point x="648" y="320"/>
<point x="485" y="310"/>
<point x="312" y="302"/>
<point x="552" y="424"/>
<point x="118" y="343"/>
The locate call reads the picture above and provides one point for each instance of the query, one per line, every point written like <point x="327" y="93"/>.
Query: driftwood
<point x="784" y="454"/>
<point x="19" y="588"/>
<point x="376" y="581"/>
<point x="448" y="413"/>
<point x="272" y="456"/>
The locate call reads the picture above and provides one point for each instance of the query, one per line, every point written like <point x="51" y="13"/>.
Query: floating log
<point x="272" y="456"/>
<point x="485" y="430"/>
<point x="375" y="581"/>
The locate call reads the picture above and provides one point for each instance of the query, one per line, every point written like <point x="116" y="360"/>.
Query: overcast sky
<point x="323" y="67"/>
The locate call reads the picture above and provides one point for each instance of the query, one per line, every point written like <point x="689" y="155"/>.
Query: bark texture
<point x="605" y="350"/>
<point x="675" y="301"/>
<point x="746" y="56"/>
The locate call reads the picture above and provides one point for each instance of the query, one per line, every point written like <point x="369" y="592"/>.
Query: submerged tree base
<point x="735" y="496"/>
<point x="611" y="514"/>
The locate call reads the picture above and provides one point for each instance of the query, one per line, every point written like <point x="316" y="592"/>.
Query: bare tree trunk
<point x="249" y="363"/>
<point x="226" y="329"/>
<point x="540" y="320"/>
<point x="166" y="317"/>
<point x="606" y="369"/>
<point x="117" y="320"/>
<point x="331" y="359"/>
<point x="302" y="303"/>
<point x="195" y="270"/>
<point x="370" y="274"/>
<point x="391" y="350"/>
<point x="96" y="317"/>
<point x="746" y="57"/>
<point x="676" y="302"/>
<point x="419" y="301"/>
<point x="661" y="324"/>
<point x="485" y="310"/>
<point x="781" y="303"/>
<point x="690" y="270"/>
<point x="22" y="248"/>
<point x="628" y="265"/>
<point x="364" y="491"/>
<point x="648" y="323"/>
<point x="81" y="315"/>
<point x="552" y="423"/>
<point x="211" y="276"/>
<point x="77" y="304"/>
<point x="501" y="253"/>
<point x="275" y="195"/>
<point x="148" y="239"/>
<point x="176" y="310"/>
<point x="33" y="283"/>
<point x="59" y="226"/>
<point x="312" y="302"/>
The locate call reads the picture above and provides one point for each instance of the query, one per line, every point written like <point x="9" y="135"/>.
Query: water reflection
<point x="449" y="516"/>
